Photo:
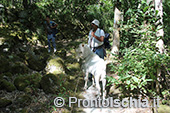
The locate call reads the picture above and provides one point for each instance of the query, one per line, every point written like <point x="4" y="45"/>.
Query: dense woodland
<point x="138" y="68"/>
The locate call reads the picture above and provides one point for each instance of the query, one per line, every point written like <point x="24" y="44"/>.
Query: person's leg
<point x="54" y="44"/>
<point x="48" y="40"/>
<point x="100" y="52"/>
<point x="54" y="35"/>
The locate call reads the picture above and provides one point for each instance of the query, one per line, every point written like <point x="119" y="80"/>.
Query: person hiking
<point x="51" y="32"/>
<point x="96" y="39"/>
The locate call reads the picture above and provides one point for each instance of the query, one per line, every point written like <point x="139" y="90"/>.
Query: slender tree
<point x="116" y="38"/>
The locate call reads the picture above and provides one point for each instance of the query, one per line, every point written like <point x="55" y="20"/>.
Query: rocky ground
<point x="31" y="78"/>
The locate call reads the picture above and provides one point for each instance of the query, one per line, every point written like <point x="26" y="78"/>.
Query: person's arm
<point x="45" y="28"/>
<point x="89" y="39"/>
<point x="101" y="38"/>
<point x="54" y="25"/>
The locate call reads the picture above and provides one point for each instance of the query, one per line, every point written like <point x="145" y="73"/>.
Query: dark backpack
<point x="106" y="41"/>
<point x="54" y="30"/>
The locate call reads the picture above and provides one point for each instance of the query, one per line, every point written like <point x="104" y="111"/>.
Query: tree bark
<point x="160" y="43"/>
<point x="25" y="4"/>
<point x="116" y="38"/>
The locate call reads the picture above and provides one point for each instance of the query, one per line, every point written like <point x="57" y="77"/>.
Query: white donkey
<point x="92" y="63"/>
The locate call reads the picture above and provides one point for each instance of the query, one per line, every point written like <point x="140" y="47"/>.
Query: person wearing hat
<point x="96" y="39"/>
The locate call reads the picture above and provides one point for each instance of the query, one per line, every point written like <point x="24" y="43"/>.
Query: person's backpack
<point x="106" y="41"/>
<point x="54" y="30"/>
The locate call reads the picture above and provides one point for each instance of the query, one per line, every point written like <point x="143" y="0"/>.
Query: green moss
<point x="50" y="83"/>
<point x="69" y="85"/>
<point x="164" y="109"/>
<point x="62" y="53"/>
<point x="21" y="83"/>
<point x="4" y="63"/>
<point x="21" y="55"/>
<point x="7" y="74"/>
<point x="23" y="100"/>
<point x="55" y="65"/>
<point x="19" y="68"/>
<point x="28" y="90"/>
<point x="4" y="84"/>
<point x="73" y="66"/>
<point x="4" y="102"/>
<point x="25" y="110"/>
<point x="35" y="62"/>
<point x="33" y="80"/>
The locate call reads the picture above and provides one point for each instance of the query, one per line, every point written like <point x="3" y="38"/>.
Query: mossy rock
<point x="28" y="90"/>
<point x="73" y="66"/>
<point x="164" y="109"/>
<point x="69" y="85"/>
<point x="24" y="110"/>
<point x="19" y="68"/>
<point x="22" y="82"/>
<point x="62" y="53"/>
<point x="55" y="65"/>
<point x="35" y="80"/>
<point x="7" y="75"/>
<point x="4" y="102"/>
<point x="35" y="62"/>
<point x="23" y="100"/>
<point x="40" y="50"/>
<point x="15" y="58"/>
<point x="5" y="85"/>
<point x="22" y="55"/>
<point x="54" y="84"/>
<point x="50" y="83"/>
<point x="2" y="40"/>
<point x="4" y="65"/>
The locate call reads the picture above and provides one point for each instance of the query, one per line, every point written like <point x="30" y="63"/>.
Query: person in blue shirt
<point x="51" y="32"/>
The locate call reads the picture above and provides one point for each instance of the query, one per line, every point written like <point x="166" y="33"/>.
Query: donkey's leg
<point x="86" y="79"/>
<point x="97" y="84"/>
<point x="103" y="79"/>
<point x="93" y="81"/>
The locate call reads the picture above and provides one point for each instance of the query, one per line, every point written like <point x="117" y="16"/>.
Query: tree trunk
<point x="160" y="43"/>
<point x="116" y="38"/>
<point x="160" y="33"/>
<point x="25" y="4"/>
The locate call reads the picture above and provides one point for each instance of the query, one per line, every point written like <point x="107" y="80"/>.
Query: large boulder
<point x="22" y="82"/>
<point x="19" y="68"/>
<point x="55" y="65"/>
<point x="35" y="62"/>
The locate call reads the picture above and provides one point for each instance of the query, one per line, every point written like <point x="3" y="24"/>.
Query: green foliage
<point x="137" y="68"/>
<point x="73" y="17"/>
<point x="166" y="20"/>
<point x="104" y="12"/>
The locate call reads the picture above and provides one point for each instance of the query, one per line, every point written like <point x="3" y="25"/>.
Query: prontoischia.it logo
<point x="109" y="102"/>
